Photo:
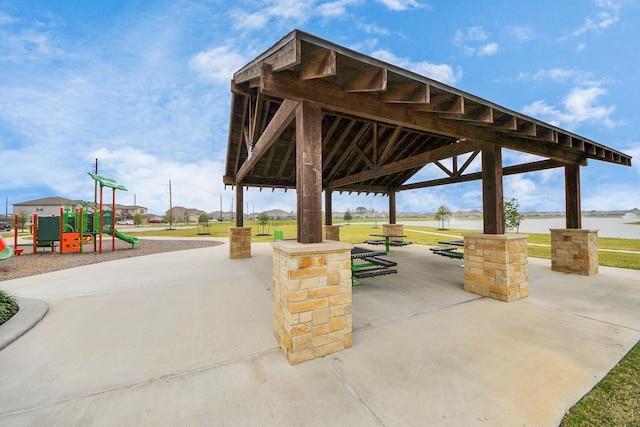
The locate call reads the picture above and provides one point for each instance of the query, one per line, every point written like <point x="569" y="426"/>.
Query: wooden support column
<point x="239" y="205"/>
<point x="492" y="193"/>
<point x="309" y="172"/>
<point x="572" y="196"/>
<point x="392" y="207"/>
<point x="328" y="209"/>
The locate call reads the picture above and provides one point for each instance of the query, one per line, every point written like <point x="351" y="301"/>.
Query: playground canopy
<point x="314" y="116"/>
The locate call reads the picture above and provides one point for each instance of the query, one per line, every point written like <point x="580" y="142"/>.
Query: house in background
<point x="279" y="214"/>
<point x="180" y="214"/>
<point x="52" y="205"/>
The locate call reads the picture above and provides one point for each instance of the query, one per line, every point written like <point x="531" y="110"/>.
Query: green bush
<point x="8" y="306"/>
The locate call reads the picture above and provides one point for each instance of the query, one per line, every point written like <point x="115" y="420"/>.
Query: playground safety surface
<point x="28" y="264"/>
<point x="185" y="338"/>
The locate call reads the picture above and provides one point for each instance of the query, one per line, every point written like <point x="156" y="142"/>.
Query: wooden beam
<point x="492" y="192"/>
<point x="390" y="144"/>
<point x="239" y="206"/>
<point x="309" y="172"/>
<point x="509" y="170"/>
<point x="331" y="97"/>
<point x="440" y="102"/>
<point x="572" y="196"/>
<point x="416" y="161"/>
<point x="372" y="79"/>
<point x="283" y="118"/>
<point x="328" y="208"/>
<point x="284" y="58"/>
<point x="392" y="207"/>
<point x="317" y="64"/>
<point x="414" y="93"/>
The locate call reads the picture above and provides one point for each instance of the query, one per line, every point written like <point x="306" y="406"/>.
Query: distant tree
<point x="23" y="218"/>
<point x="512" y="218"/>
<point x="361" y="210"/>
<point x="203" y="224"/>
<point x="443" y="214"/>
<point x="263" y="221"/>
<point x="347" y="216"/>
<point x="137" y="219"/>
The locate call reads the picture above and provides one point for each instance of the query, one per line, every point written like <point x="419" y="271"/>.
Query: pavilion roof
<point x="381" y="124"/>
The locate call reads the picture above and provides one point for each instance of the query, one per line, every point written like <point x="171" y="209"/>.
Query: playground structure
<point x="73" y="228"/>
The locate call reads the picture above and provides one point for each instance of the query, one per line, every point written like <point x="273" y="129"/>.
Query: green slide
<point x="129" y="239"/>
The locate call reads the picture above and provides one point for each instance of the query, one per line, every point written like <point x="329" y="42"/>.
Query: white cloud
<point x="440" y="72"/>
<point x="608" y="15"/>
<point x="520" y="33"/>
<point x="217" y="64"/>
<point x="488" y="49"/>
<point x="401" y="4"/>
<point x="559" y="75"/>
<point x="580" y="106"/>
<point x="6" y="19"/>
<point x="282" y="13"/>
<point x="335" y="9"/>
<point x="373" y="29"/>
<point x="474" y="41"/>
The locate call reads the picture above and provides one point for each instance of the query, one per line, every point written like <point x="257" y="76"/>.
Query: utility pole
<point x="170" y="208"/>
<point x="221" y="218"/>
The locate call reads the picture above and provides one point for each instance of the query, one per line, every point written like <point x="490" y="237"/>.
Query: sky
<point x="144" y="88"/>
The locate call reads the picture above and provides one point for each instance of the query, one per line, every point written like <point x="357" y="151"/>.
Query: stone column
<point x="239" y="242"/>
<point x="393" y="229"/>
<point x="496" y="266"/>
<point x="311" y="298"/>
<point x="331" y="232"/>
<point x="574" y="251"/>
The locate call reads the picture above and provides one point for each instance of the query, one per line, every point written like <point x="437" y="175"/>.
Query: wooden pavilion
<point x="314" y="116"/>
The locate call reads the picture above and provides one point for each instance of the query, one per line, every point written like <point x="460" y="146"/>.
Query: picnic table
<point x="369" y="264"/>
<point x="387" y="240"/>
<point x="450" y="250"/>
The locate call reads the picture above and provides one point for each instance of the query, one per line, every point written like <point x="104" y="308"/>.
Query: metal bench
<point x="374" y="242"/>
<point x="448" y="252"/>
<point x="380" y="261"/>
<point x="372" y="272"/>
<point x="400" y="242"/>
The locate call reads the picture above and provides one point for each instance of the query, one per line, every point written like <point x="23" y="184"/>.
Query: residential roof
<point x="381" y="124"/>
<point x="49" y="201"/>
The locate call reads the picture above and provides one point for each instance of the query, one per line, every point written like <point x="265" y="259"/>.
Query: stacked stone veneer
<point x="496" y="265"/>
<point x="331" y="232"/>
<point x="574" y="251"/>
<point x="312" y="298"/>
<point x="239" y="242"/>
<point x="397" y="229"/>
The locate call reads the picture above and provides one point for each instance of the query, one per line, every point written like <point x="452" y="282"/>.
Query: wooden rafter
<point x="409" y="163"/>
<point x="278" y="123"/>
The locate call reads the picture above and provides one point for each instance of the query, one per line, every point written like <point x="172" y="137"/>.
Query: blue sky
<point x="144" y="87"/>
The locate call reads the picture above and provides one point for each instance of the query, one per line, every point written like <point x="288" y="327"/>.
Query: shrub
<point x="8" y="306"/>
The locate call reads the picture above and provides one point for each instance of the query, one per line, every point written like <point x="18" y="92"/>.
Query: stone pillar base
<point x="311" y="298"/>
<point x="393" y="229"/>
<point x="239" y="242"/>
<point x="574" y="251"/>
<point x="331" y="232"/>
<point x="496" y="266"/>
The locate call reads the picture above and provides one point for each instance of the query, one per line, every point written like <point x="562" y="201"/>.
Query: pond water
<point x="609" y="227"/>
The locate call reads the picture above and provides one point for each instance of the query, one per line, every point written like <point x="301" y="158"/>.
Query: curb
<point x="30" y="313"/>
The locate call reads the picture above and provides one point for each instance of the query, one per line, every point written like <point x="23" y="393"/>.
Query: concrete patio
<point x="185" y="338"/>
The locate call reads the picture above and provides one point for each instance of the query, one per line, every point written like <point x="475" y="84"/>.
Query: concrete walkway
<point x="185" y="338"/>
